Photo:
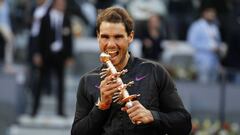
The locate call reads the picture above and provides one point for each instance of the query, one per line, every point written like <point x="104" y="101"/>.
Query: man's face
<point x="209" y="14"/>
<point x="59" y="5"/>
<point x="154" y="22"/>
<point x="39" y="2"/>
<point x="113" y="40"/>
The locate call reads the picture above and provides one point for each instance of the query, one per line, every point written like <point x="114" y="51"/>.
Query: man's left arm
<point x="174" y="122"/>
<point x="67" y="37"/>
<point x="68" y="42"/>
<point x="172" y="118"/>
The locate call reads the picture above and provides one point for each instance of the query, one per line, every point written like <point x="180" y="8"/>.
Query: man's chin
<point x="114" y="62"/>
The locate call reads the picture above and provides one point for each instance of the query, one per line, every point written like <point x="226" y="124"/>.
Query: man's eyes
<point x="118" y="37"/>
<point x="104" y="37"/>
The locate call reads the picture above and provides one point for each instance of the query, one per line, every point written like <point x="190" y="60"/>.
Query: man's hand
<point x="108" y="87"/>
<point x="139" y="114"/>
<point x="69" y="62"/>
<point x="37" y="60"/>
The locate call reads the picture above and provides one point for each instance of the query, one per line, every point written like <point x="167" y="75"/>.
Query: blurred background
<point x="198" y="41"/>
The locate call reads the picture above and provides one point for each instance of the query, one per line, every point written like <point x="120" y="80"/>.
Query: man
<point x="204" y="36"/>
<point x="54" y="52"/>
<point x="159" y="109"/>
<point x="42" y="7"/>
<point x="6" y="38"/>
<point x="152" y="38"/>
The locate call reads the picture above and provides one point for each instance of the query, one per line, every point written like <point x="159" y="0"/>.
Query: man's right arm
<point x="89" y="119"/>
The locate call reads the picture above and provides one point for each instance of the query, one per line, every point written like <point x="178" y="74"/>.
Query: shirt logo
<point x="139" y="78"/>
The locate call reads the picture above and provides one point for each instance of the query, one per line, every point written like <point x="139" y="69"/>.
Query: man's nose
<point x="111" y="42"/>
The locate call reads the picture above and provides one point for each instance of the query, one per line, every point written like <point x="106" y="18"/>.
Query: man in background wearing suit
<point x="54" y="52"/>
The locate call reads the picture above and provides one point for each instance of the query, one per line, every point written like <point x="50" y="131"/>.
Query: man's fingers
<point x="124" y="109"/>
<point x="137" y="117"/>
<point x="134" y="113"/>
<point x="136" y="105"/>
<point x="111" y="92"/>
<point x="112" y="86"/>
<point x="108" y="91"/>
<point x="111" y="77"/>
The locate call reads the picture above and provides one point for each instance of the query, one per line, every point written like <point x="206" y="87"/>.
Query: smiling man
<point x="159" y="109"/>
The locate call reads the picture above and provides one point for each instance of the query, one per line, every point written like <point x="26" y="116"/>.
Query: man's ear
<point x="131" y="37"/>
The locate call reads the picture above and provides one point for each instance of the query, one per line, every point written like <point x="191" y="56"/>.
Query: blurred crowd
<point x="155" y="21"/>
<point x="208" y="26"/>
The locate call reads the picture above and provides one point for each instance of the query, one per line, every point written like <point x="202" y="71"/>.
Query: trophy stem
<point x="105" y="58"/>
<point x="126" y="98"/>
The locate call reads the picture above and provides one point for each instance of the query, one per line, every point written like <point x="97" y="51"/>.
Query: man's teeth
<point x="113" y="53"/>
<point x="109" y="52"/>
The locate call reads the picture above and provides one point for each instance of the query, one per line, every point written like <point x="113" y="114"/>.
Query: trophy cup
<point x="123" y="96"/>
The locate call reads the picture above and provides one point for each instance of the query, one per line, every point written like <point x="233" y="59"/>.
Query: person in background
<point x="54" y="52"/>
<point x="40" y="11"/>
<point x="152" y="39"/>
<point x="159" y="109"/>
<point x="142" y="10"/>
<point x="204" y="36"/>
<point x="7" y="37"/>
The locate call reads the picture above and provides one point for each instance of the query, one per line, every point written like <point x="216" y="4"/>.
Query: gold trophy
<point x="123" y="96"/>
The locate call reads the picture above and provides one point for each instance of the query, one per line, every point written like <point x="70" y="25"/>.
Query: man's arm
<point x="88" y="118"/>
<point x="172" y="117"/>
<point x="67" y="37"/>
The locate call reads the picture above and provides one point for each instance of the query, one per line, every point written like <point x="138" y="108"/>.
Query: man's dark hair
<point x="115" y="15"/>
<point x="207" y="5"/>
